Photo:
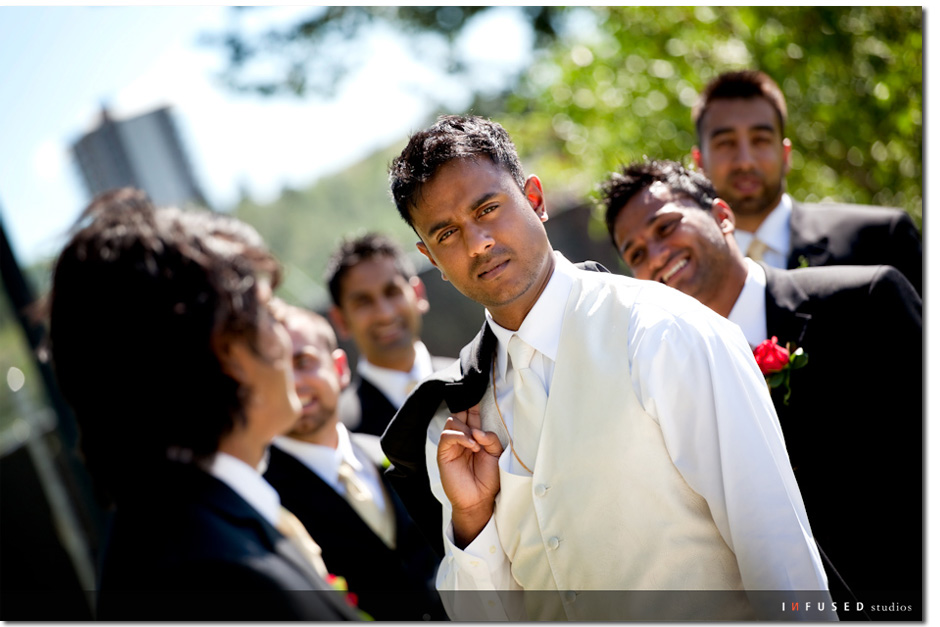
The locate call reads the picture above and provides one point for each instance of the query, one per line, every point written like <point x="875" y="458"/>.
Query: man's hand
<point x="468" y="461"/>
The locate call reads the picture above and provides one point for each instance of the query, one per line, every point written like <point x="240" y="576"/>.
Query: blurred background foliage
<point x="607" y="86"/>
<point x="623" y="89"/>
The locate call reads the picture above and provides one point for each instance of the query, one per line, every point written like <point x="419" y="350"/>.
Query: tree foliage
<point x="623" y="90"/>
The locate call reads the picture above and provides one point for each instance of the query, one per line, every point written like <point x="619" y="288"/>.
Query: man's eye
<point x="445" y="234"/>
<point x="489" y="209"/>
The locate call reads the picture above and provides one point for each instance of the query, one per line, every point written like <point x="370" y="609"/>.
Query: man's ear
<point x="723" y="215"/>
<point x="535" y="197"/>
<point x="341" y="364"/>
<point x="421" y="294"/>
<point x="339" y="322"/>
<point x="427" y="253"/>
<point x="697" y="158"/>
<point x="787" y="147"/>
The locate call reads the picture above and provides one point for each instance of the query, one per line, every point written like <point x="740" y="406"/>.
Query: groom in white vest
<point x="605" y="448"/>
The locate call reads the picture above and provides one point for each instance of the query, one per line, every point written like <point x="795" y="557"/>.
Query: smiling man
<point x="740" y="119"/>
<point x="670" y="226"/>
<point x="331" y="480"/>
<point x="378" y="302"/>
<point x="590" y="438"/>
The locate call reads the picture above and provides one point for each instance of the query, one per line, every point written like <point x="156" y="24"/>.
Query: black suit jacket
<point x="364" y="409"/>
<point x="190" y="548"/>
<point x="854" y="422"/>
<point x="460" y="386"/>
<point x="390" y="584"/>
<point x="856" y="235"/>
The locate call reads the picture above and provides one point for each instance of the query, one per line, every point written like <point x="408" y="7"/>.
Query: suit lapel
<point x="784" y="299"/>
<point x="807" y="239"/>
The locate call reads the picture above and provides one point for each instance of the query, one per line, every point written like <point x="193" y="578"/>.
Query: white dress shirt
<point x="247" y="483"/>
<point x="688" y="419"/>
<point x="773" y="231"/>
<point x="395" y="384"/>
<point x="325" y="462"/>
<point x="540" y="330"/>
<point x="750" y="310"/>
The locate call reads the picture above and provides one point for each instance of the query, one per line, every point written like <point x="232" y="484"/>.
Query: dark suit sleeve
<point x="906" y="250"/>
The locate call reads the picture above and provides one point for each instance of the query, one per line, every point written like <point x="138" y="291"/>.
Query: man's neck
<point x="724" y="302"/>
<point x="402" y="361"/>
<point x="751" y="222"/>
<point x="324" y="436"/>
<point x="513" y="315"/>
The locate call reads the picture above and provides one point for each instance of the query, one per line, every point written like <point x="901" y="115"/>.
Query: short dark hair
<point x="451" y="137"/>
<point x="740" y="84"/>
<point x="285" y="313"/>
<point x="620" y="187"/>
<point x="142" y="301"/>
<point x="353" y="251"/>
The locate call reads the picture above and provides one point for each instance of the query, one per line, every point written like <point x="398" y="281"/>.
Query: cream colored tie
<point x="756" y="250"/>
<point x="529" y="401"/>
<point x="294" y="530"/>
<point x="362" y="500"/>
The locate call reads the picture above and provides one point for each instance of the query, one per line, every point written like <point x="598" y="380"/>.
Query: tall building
<point x="144" y="152"/>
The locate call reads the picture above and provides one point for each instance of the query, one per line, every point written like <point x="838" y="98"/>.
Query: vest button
<point x="570" y="596"/>
<point x="553" y="543"/>
<point x="540" y="490"/>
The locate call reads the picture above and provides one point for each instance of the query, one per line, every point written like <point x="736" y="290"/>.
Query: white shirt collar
<point x="395" y="384"/>
<point x="323" y="460"/>
<point x="773" y="231"/>
<point x="248" y="483"/>
<point x="750" y="310"/>
<point x="541" y="328"/>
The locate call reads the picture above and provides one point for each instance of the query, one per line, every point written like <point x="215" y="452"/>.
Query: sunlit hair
<point x="620" y="187"/>
<point x="740" y="85"/>
<point x="292" y="317"/>
<point x="353" y="251"/>
<point x="143" y="303"/>
<point x="451" y="137"/>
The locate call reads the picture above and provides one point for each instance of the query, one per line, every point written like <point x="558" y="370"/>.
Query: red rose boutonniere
<point x="776" y="362"/>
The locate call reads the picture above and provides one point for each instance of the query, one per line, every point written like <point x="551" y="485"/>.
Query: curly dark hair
<point x="354" y="250"/>
<point x="617" y="190"/>
<point x="142" y="302"/>
<point x="740" y="84"/>
<point x="451" y="137"/>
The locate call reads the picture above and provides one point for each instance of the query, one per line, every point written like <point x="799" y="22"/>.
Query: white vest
<point x="606" y="508"/>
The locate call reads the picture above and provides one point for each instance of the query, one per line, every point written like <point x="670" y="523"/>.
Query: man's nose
<point x="744" y="155"/>
<point x="478" y="240"/>
<point x="658" y="257"/>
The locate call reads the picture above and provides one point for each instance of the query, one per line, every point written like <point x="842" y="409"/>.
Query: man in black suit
<point x="853" y="419"/>
<point x="332" y="480"/>
<point x="378" y="301"/>
<point x="740" y="119"/>
<point x="180" y="377"/>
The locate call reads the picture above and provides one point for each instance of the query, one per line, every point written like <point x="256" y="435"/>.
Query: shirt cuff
<point x="483" y="559"/>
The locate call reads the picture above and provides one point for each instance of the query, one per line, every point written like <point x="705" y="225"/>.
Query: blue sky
<point x="60" y="64"/>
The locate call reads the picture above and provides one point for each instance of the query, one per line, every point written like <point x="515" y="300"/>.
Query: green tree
<point x="621" y="88"/>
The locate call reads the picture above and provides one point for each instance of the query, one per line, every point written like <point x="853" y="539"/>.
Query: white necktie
<point x="756" y="250"/>
<point x="529" y="402"/>
<point x="294" y="530"/>
<point x="362" y="500"/>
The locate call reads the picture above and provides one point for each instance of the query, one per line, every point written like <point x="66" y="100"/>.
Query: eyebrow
<point x="757" y="127"/>
<point x="629" y="243"/>
<point x="473" y="206"/>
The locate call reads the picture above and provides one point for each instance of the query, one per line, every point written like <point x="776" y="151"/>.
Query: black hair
<point x="451" y="137"/>
<point x="142" y="302"/>
<point x="353" y="251"/>
<point x="620" y="187"/>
